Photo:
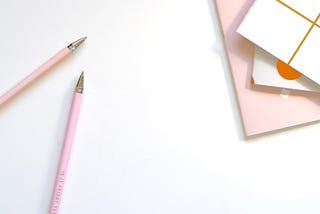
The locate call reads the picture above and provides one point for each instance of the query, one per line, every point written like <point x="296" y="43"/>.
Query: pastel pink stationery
<point x="261" y="111"/>
<point x="41" y="70"/>
<point x="67" y="147"/>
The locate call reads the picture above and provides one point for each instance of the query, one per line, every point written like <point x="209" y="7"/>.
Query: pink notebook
<point x="264" y="110"/>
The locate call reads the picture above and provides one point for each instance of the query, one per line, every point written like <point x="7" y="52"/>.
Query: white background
<point x="159" y="131"/>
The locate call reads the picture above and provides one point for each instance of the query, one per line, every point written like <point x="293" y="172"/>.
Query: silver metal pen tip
<point x="74" y="45"/>
<point x="79" y="87"/>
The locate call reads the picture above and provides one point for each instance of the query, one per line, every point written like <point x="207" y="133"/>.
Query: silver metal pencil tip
<point x="79" y="87"/>
<point x="74" y="45"/>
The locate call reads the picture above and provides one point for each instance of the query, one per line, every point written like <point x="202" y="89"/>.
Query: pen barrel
<point x="66" y="152"/>
<point x="35" y="75"/>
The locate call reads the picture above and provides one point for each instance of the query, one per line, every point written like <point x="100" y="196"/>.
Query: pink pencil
<point x="66" y="151"/>
<point x="41" y="70"/>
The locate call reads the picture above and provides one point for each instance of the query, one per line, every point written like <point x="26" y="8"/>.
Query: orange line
<point x="297" y="12"/>
<point x="304" y="39"/>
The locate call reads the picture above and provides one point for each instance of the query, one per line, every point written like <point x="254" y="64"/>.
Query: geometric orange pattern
<point x="252" y="82"/>
<point x="287" y="72"/>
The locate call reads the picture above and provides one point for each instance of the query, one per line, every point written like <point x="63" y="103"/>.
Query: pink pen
<point x="41" y="70"/>
<point x="67" y="146"/>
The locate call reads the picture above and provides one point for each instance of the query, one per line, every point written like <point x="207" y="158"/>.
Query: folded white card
<point x="269" y="71"/>
<point x="289" y="30"/>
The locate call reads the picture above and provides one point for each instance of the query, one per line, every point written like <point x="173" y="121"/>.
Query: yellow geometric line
<point x="297" y="12"/>
<point x="304" y="39"/>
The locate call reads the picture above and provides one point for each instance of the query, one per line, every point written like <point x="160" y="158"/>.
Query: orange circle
<point x="252" y="82"/>
<point x="287" y="72"/>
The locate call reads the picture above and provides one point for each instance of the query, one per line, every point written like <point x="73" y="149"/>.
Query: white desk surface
<point x="159" y="130"/>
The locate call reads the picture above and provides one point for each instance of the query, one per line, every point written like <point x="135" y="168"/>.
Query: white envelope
<point x="269" y="71"/>
<point x="289" y="30"/>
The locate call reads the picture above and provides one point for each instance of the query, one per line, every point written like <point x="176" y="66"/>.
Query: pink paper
<point x="261" y="111"/>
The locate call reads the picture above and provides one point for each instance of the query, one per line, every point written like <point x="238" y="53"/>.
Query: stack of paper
<point x="273" y="48"/>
